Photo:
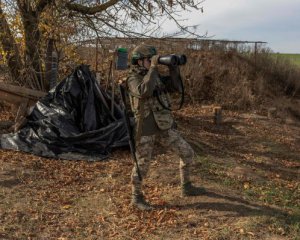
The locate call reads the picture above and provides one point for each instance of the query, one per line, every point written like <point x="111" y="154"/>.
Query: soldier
<point x="154" y="121"/>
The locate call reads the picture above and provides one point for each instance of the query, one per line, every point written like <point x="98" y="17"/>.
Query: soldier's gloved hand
<point x="154" y="60"/>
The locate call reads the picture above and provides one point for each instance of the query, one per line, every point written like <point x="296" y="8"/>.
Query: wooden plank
<point x="21" y="91"/>
<point x="10" y="97"/>
<point x="15" y="99"/>
<point x="21" y="97"/>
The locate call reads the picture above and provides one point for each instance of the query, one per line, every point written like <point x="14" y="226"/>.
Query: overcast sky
<point x="274" y="21"/>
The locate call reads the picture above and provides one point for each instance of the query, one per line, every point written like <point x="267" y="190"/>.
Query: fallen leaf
<point x="66" y="206"/>
<point x="246" y="185"/>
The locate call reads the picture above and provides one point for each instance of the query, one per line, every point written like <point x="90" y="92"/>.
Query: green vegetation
<point x="294" y="58"/>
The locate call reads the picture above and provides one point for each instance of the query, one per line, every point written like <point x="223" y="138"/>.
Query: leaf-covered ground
<point x="250" y="167"/>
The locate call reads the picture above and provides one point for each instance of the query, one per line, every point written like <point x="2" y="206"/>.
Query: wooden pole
<point x="255" y="54"/>
<point x="50" y="47"/>
<point x="96" y="60"/>
<point x="217" y="115"/>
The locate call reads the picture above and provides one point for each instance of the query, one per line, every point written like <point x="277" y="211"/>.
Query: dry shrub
<point x="219" y="77"/>
<point x="235" y="78"/>
<point x="239" y="80"/>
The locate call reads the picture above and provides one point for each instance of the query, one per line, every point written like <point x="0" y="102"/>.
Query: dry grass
<point x="235" y="80"/>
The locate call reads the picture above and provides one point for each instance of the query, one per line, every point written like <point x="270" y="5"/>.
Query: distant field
<point x="294" y="58"/>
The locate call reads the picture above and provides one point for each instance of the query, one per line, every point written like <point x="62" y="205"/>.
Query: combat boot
<point x="139" y="202"/>
<point x="189" y="190"/>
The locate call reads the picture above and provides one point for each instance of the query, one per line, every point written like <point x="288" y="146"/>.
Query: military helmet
<point x="142" y="51"/>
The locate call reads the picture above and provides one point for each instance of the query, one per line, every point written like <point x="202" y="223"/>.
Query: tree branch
<point x="90" y="10"/>
<point x="42" y="4"/>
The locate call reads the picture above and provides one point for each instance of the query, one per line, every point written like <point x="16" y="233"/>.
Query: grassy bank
<point x="294" y="58"/>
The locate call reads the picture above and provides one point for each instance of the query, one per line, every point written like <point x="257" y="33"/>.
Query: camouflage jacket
<point x="150" y="115"/>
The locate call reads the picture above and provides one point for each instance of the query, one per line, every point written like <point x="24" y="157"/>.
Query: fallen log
<point x="12" y="93"/>
<point x="23" y="98"/>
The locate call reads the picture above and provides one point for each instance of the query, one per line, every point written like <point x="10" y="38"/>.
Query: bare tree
<point x="73" y="19"/>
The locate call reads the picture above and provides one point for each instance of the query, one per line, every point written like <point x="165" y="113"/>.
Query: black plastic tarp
<point x="73" y="121"/>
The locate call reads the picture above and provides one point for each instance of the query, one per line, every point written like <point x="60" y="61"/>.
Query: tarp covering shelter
<point x="73" y="121"/>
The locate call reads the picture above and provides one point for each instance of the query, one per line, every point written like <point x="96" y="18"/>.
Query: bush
<point x="239" y="80"/>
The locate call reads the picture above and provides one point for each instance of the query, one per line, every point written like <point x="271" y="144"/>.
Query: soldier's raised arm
<point x="142" y="87"/>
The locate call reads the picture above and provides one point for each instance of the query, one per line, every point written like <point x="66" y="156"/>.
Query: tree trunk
<point x="33" y="56"/>
<point x="10" y="48"/>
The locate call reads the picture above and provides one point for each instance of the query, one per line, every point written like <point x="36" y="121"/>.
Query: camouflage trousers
<point x="170" y="139"/>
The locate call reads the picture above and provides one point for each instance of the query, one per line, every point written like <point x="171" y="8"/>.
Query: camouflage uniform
<point x="155" y="122"/>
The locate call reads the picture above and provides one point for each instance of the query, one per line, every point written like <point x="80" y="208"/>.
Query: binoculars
<point x="172" y="60"/>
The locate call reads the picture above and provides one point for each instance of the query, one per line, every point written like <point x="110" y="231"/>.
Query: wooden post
<point x="113" y="84"/>
<point x="54" y="70"/>
<point x="217" y="115"/>
<point x="51" y="65"/>
<point x="50" y="47"/>
<point x="96" y="60"/>
<point x="255" y="55"/>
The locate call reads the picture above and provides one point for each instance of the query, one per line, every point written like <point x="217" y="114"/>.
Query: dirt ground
<point x="250" y="166"/>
